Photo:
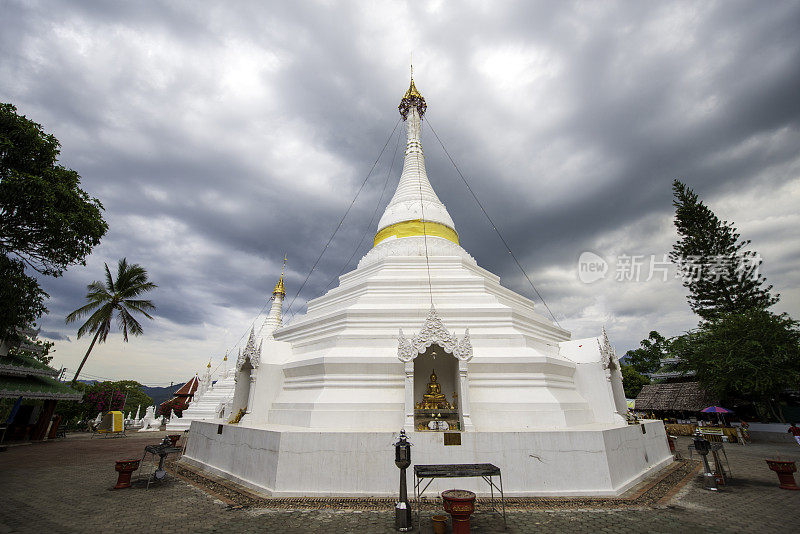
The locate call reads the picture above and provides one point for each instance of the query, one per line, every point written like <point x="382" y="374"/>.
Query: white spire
<point x="414" y="197"/>
<point x="275" y="318"/>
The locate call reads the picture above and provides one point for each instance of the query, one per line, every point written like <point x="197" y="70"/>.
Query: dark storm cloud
<point x="55" y="336"/>
<point x="210" y="173"/>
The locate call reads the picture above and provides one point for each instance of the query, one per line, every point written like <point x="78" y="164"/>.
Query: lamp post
<point x="402" y="459"/>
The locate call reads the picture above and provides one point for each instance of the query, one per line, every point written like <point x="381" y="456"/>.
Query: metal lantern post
<point x="402" y="459"/>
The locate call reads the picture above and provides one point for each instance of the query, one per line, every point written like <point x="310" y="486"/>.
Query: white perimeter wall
<point x="304" y="463"/>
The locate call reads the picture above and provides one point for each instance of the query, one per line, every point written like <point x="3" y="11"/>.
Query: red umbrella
<point x="716" y="409"/>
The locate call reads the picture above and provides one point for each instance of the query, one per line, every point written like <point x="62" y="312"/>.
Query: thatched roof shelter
<point x="679" y="396"/>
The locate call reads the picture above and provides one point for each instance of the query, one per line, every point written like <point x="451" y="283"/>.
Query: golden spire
<point x="279" y="287"/>
<point x="412" y="89"/>
<point x="225" y="359"/>
<point x="412" y="98"/>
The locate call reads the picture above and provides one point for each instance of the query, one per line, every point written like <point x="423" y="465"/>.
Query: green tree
<point x="753" y="355"/>
<point x="647" y="358"/>
<point x="37" y="349"/>
<point x="633" y="381"/>
<point x="134" y="395"/>
<point x="22" y="298"/>
<point x="122" y="395"/>
<point x="47" y="222"/>
<point x="114" y="299"/>
<point x="74" y="411"/>
<point x="721" y="275"/>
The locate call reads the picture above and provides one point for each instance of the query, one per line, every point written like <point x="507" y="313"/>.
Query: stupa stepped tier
<point x="213" y="402"/>
<point x="419" y="337"/>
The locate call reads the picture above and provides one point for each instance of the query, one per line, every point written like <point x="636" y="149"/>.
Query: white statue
<point x="438" y="425"/>
<point x="136" y="421"/>
<point x="151" y="423"/>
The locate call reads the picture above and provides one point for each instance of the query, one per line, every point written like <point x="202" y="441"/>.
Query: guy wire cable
<point x="494" y="227"/>
<point x="375" y="213"/>
<point x="252" y="325"/>
<point x="289" y="309"/>
<point x="425" y="231"/>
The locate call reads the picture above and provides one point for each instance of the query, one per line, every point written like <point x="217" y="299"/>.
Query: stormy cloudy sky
<point x="221" y="135"/>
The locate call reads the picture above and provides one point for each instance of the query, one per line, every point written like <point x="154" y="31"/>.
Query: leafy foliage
<point x="47" y="222"/>
<point x="633" y="381"/>
<point x="22" y="298"/>
<point x="753" y="355"/>
<point x="135" y="395"/>
<point x="105" y="396"/>
<point x="740" y="349"/>
<point x="721" y="275"/>
<point x="35" y="348"/>
<point x="176" y="405"/>
<point x="647" y="358"/>
<point x="111" y="299"/>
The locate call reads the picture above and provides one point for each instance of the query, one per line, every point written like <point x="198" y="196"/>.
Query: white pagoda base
<point x="294" y="462"/>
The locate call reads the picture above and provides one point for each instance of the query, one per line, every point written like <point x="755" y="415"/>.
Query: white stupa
<point x="211" y="402"/>
<point x="326" y="395"/>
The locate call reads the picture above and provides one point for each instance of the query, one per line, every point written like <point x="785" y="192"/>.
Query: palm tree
<point x="114" y="299"/>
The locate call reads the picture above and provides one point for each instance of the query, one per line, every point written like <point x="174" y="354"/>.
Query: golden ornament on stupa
<point x="279" y="287"/>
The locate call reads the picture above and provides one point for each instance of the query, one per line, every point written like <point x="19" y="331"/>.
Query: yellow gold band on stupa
<point x="417" y="228"/>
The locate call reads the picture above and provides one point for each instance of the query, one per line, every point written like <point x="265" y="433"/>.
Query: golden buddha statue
<point x="434" y="399"/>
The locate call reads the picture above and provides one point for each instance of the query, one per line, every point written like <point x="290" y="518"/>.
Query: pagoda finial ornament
<point x="412" y="99"/>
<point x="279" y="287"/>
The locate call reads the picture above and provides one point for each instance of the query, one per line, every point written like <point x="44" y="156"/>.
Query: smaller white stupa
<point x="212" y="400"/>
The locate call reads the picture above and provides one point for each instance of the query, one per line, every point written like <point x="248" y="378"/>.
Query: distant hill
<point x="161" y="394"/>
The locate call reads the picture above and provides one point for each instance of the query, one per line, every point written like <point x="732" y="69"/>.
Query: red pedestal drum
<point x="125" y="468"/>
<point x="459" y="504"/>
<point x="785" y="470"/>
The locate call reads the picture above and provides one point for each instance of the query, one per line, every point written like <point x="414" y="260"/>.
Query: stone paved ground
<point x="63" y="487"/>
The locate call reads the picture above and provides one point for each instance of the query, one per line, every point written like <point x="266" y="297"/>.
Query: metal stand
<point x="486" y="471"/>
<point x="704" y="447"/>
<point x="720" y="468"/>
<point x="162" y="451"/>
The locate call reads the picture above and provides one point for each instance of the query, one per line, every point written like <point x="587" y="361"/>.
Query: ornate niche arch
<point x="433" y="331"/>
<point x="245" y="377"/>
<point x="613" y="371"/>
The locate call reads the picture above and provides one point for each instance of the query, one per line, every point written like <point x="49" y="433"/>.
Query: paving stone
<point x="63" y="486"/>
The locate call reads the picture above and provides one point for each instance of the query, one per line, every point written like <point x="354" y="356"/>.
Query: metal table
<point x="486" y="471"/>
<point x="161" y="451"/>
<point x="715" y="448"/>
